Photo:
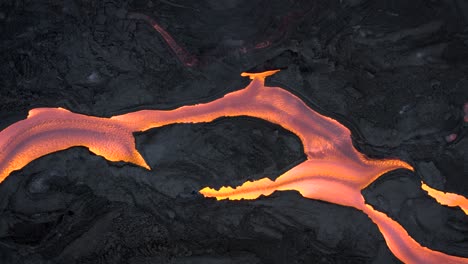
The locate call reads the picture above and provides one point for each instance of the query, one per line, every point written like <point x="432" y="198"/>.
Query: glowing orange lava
<point x="48" y="130"/>
<point x="403" y="245"/>
<point x="448" y="199"/>
<point x="334" y="170"/>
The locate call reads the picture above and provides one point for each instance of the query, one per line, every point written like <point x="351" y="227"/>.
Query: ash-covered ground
<point x="394" y="71"/>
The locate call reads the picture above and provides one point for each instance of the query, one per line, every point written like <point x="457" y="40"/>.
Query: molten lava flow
<point x="48" y="130"/>
<point x="403" y="246"/>
<point x="334" y="170"/>
<point x="448" y="199"/>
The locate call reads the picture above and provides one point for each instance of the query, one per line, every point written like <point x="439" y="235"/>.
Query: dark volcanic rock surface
<point x="394" y="72"/>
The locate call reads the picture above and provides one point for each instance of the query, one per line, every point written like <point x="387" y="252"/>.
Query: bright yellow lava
<point x="334" y="170"/>
<point x="448" y="199"/>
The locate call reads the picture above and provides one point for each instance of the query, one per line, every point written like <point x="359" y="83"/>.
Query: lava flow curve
<point x="334" y="170"/>
<point x="47" y="130"/>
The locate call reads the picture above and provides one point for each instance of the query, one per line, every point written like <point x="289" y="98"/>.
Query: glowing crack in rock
<point x="183" y="55"/>
<point x="465" y="112"/>
<point x="448" y="199"/>
<point x="450" y="138"/>
<point x="334" y="170"/>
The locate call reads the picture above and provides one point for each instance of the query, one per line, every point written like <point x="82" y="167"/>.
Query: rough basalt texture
<point x="394" y="72"/>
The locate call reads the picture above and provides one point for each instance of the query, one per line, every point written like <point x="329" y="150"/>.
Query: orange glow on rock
<point x="334" y="170"/>
<point x="465" y="111"/>
<point x="186" y="58"/>
<point x="448" y="199"/>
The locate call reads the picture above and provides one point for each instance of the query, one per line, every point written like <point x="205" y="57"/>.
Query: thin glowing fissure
<point x="334" y="170"/>
<point x="448" y="199"/>
<point x="183" y="55"/>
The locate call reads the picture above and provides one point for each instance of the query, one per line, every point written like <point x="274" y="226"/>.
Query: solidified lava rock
<point x="394" y="72"/>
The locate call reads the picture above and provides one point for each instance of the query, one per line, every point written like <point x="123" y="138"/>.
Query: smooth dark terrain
<point x="394" y="71"/>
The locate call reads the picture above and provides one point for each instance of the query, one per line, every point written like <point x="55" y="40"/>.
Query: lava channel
<point x="446" y="198"/>
<point x="334" y="170"/>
